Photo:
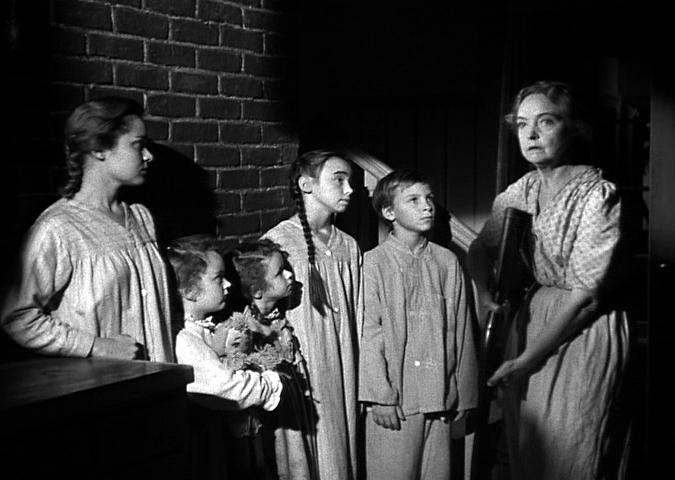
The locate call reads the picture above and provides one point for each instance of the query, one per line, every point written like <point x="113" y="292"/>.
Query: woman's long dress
<point x="81" y="275"/>
<point x="558" y="423"/>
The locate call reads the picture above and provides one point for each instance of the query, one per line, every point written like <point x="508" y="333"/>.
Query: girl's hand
<point x="118" y="346"/>
<point x="388" y="416"/>
<point x="509" y="372"/>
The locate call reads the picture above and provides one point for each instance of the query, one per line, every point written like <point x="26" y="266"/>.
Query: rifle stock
<point x="511" y="279"/>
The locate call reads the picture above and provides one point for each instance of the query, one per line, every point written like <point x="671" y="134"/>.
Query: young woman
<point x="91" y="280"/>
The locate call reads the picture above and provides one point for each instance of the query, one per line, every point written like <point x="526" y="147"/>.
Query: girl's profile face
<point x="540" y="129"/>
<point x="278" y="278"/>
<point x="214" y="285"/>
<point x="127" y="161"/>
<point x="332" y="189"/>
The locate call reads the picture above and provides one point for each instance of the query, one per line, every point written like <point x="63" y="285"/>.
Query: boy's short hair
<point x="248" y="260"/>
<point x="188" y="259"/>
<point x="386" y="188"/>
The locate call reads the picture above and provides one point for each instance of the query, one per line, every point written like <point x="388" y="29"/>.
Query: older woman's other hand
<point x="509" y="372"/>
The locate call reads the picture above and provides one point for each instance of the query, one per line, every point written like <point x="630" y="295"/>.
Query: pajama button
<point x="328" y="254"/>
<point x="417" y="363"/>
<point x="144" y="292"/>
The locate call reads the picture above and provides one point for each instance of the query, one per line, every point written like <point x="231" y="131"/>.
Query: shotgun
<point x="512" y="277"/>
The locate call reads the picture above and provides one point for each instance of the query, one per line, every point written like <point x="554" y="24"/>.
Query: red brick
<point x="241" y="39"/>
<point x="279" y="134"/>
<point x="264" y="66"/>
<point x="241" y="178"/>
<point x="152" y="78"/>
<point x="260" y="156"/>
<point x="84" y="71"/>
<point x="219" y="12"/>
<point x="227" y="202"/>
<point x="260" y="20"/>
<point x="194" y="32"/>
<point x="239" y="133"/>
<point x="171" y="54"/>
<point x="130" y="3"/>
<point x="144" y="24"/>
<point x="266" y="200"/>
<point x="238" y="86"/>
<point x="226" y="244"/>
<point x="187" y="150"/>
<point x="178" y="8"/>
<point x="157" y="130"/>
<point x="115" y="47"/>
<point x="272" y="218"/>
<point x="212" y="178"/>
<point x="239" y="224"/>
<point x="218" y="60"/>
<point x="67" y="41"/>
<point x="166" y="105"/>
<point x="194" y="82"/>
<point x="217" y="156"/>
<point x="219" y="108"/>
<point x="101" y="91"/>
<point x="273" y="177"/>
<point x="267" y="111"/>
<point x="287" y="6"/>
<point x="194" y="132"/>
<point x="83" y="14"/>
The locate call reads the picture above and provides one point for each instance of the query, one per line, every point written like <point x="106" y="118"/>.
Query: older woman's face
<point x="540" y="130"/>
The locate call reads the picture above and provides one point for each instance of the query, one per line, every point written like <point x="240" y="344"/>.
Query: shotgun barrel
<point x="512" y="276"/>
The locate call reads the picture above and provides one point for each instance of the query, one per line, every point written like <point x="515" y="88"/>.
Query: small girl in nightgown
<point x="328" y="317"/>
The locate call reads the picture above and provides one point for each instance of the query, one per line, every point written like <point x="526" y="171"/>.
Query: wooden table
<point x="93" y="418"/>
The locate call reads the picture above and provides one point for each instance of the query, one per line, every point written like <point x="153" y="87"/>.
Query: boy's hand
<point x="118" y="346"/>
<point x="388" y="416"/>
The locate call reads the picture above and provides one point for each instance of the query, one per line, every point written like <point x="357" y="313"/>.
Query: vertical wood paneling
<point x="460" y="158"/>
<point x="401" y="138"/>
<point x="430" y="148"/>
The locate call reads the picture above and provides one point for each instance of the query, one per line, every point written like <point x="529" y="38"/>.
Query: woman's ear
<point x="257" y="294"/>
<point x="305" y="182"/>
<point x="98" y="154"/>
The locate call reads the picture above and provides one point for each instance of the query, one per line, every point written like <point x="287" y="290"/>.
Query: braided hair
<point x="310" y="164"/>
<point x="95" y="125"/>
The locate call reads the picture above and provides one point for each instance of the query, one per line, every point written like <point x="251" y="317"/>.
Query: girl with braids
<point x="327" y="320"/>
<point x="91" y="280"/>
<point x="266" y="281"/>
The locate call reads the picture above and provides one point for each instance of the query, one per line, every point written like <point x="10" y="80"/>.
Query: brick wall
<point x="217" y="79"/>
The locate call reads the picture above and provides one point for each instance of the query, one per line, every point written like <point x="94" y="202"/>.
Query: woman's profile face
<point x="128" y="159"/>
<point x="540" y="128"/>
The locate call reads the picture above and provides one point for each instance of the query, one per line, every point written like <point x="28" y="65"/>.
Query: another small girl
<point x="217" y="451"/>
<point x="266" y="281"/>
<point x="328" y="319"/>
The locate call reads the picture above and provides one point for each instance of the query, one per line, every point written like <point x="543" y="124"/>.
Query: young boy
<point x="418" y="366"/>
<point x="221" y="442"/>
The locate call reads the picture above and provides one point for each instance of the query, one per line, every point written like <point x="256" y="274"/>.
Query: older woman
<point x="569" y="345"/>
